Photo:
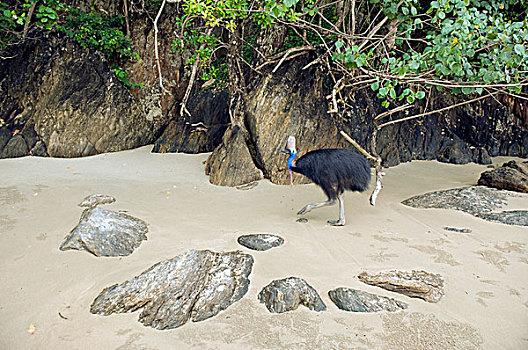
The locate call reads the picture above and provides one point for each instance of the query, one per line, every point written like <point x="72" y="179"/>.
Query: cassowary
<point x="334" y="170"/>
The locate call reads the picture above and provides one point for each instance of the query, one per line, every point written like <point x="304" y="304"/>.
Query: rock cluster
<point x="195" y="285"/>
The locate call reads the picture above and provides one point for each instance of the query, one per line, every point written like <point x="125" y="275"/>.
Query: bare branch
<point x="357" y="145"/>
<point x="437" y="110"/>
<point x="28" y="19"/>
<point x="156" y="50"/>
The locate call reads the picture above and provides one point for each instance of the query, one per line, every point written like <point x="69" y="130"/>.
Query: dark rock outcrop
<point x="66" y="99"/>
<point x="106" y="233"/>
<point x="15" y="147"/>
<point x="287" y="294"/>
<point x="200" y="132"/>
<point x="195" y="284"/>
<point x="415" y="284"/>
<point x="358" y="301"/>
<point x="289" y="103"/>
<point x="260" y="241"/>
<point x="479" y="201"/>
<point x="231" y="163"/>
<point x="511" y="176"/>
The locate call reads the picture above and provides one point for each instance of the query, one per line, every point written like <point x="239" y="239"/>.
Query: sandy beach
<point x="485" y="305"/>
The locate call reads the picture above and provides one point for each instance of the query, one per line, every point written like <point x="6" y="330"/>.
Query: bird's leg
<point x="309" y="207"/>
<point x="341" y="221"/>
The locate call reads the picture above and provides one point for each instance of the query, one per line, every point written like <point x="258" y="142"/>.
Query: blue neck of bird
<point x="291" y="159"/>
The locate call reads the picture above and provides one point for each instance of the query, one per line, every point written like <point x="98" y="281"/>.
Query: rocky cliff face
<point x="59" y="99"/>
<point x="292" y="101"/>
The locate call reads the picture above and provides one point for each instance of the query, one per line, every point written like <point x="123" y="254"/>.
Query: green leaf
<point x="420" y="95"/>
<point x="414" y="65"/>
<point x="339" y="44"/>
<point x="374" y="86"/>
<point x="519" y="49"/>
<point x="383" y="91"/>
<point x="410" y="99"/>
<point x="392" y="93"/>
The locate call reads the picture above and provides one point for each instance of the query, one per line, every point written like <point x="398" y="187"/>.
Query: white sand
<point x="486" y="271"/>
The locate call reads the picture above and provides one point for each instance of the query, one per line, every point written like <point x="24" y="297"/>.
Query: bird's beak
<point x="285" y="151"/>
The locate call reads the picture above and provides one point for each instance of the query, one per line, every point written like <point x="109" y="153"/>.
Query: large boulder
<point x="66" y="99"/>
<point x="511" y="176"/>
<point x="196" y="285"/>
<point x="278" y="105"/>
<point x="103" y="232"/>
<point x="288" y="293"/>
<point x="231" y="163"/>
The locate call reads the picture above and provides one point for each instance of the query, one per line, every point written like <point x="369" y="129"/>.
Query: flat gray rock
<point x="511" y="217"/>
<point x="358" y="301"/>
<point x="260" y="241"/>
<point x="197" y="284"/>
<point x="95" y="199"/>
<point x="414" y="284"/>
<point x="106" y="233"/>
<point x="287" y="294"/>
<point x="479" y="201"/>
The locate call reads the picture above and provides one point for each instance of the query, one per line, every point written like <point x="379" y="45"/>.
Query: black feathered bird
<point x="334" y="170"/>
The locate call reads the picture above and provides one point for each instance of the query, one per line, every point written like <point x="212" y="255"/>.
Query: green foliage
<point x="100" y="32"/>
<point x="46" y="14"/>
<point x="463" y="45"/>
<point x="122" y="76"/>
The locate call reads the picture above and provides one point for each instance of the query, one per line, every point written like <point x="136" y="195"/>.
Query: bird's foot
<point x="337" y="222"/>
<point x="305" y="210"/>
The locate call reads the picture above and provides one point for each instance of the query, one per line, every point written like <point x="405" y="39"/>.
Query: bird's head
<point x="289" y="149"/>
